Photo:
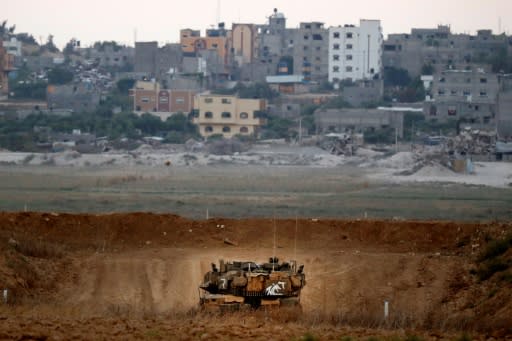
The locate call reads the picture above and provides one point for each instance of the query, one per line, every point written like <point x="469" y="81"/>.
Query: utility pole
<point x="300" y="131"/>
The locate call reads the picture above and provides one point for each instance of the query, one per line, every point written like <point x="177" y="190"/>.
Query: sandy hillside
<point x="139" y="274"/>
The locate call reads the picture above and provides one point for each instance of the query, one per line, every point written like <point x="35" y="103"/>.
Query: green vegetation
<point x="402" y="87"/>
<point x="255" y="90"/>
<point x="492" y="260"/>
<point x="59" y="76"/>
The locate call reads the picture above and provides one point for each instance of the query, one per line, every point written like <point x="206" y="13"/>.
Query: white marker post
<point x="386" y="310"/>
<point x="5" y="294"/>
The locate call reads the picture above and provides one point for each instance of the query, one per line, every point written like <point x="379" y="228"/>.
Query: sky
<point x="161" y="20"/>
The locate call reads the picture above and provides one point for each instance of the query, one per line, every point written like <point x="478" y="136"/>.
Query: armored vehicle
<point x="247" y="284"/>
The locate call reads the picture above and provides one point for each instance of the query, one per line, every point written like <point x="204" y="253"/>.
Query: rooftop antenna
<point x="218" y="12"/>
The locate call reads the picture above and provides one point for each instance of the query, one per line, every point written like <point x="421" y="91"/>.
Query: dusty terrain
<point x="136" y="276"/>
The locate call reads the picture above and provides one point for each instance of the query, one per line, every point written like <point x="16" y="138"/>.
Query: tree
<point x="123" y="85"/>
<point x="59" y="76"/>
<point x="50" y="45"/>
<point x="396" y="77"/>
<point x="427" y="69"/>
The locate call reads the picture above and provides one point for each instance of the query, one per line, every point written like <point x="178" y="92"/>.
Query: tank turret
<point x="245" y="283"/>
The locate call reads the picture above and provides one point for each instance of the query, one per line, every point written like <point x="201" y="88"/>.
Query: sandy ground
<point x="133" y="276"/>
<point x="374" y="165"/>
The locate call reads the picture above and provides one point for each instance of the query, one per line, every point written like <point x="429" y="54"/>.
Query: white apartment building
<point x="355" y="52"/>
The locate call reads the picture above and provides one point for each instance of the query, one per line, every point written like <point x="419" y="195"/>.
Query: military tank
<point x="234" y="285"/>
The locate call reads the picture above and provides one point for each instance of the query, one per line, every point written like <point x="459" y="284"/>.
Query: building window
<point x="226" y="129"/>
<point x="336" y="35"/>
<point x="306" y="37"/>
<point x="226" y="101"/>
<point x="336" y="46"/>
<point x="349" y="68"/>
<point x="244" y="115"/>
<point x="349" y="46"/>
<point x="466" y="93"/>
<point x="318" y="59"/>
<point x="164" y="99"/>
<point x="208" y="129"/>
<point x="349" y="57"/>
<point x="336" y="57"/>
<point x="453" y="92"/>
<point x="442" y="80"/>
<point x="335" y="69"/>
<point x="452" y="110"/>
<point x="226" y="114"/>
<point x="483" y="80"/>
<point x="180" y="100"/>
<point x="208" y="100"/>
<point x="244" y="130"/>
<point x="144" y="99"/>
<point x="441" y="92"/>
<point x="433" y="110"/>
<point x="349" y="35"/>
<point x="208" y="114"/>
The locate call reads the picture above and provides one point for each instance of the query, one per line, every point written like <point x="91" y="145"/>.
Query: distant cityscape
<point x="269" y="81"/>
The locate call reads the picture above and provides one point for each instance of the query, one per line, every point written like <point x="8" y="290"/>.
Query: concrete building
<point x="13" y="46"/>
<point x="288" y="84"/>
<point x="228" y="115"/>
<point x="363" y="92"/>
<point x="157" y="62"/>
<point x="6" y="66"/>
<point x="110" y="55"/>
<point x="146" y="57"/>
<point x="310" y="50"/>
<point x="469" y="96"/>
<point x="149" y="97"/>
<point x="440" y="48"/>
<point x="244" y="39"/>
<point x="355" y="53"/>
<point x="504" y="120"/>
<point x="216" y="39"/>
<point x="76" y="97"/>
<point x="358" y="120"/>
<point x="271" y="37"/>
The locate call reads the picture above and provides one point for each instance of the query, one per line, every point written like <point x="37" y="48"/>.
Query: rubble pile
<point x="472" y="142"/>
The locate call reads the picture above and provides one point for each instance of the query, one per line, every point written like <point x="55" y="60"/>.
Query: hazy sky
<point x="161" y="20"/>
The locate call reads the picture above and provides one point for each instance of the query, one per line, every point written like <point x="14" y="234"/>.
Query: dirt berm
<point x="435" y="275"/>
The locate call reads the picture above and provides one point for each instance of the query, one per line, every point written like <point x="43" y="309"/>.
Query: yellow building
<point x="244" y="43"/>
<point x="228" y="115"/>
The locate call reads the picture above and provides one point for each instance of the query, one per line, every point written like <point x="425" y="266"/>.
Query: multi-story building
<point x="110" y="55"/>
<point x="355" y="53"/>
<point x="244" y="39"/>
<point x="310" y="49"/>
<point x="6" y="66"/>
<point x="154" y="61"/>
<point x="228" y="115"/>
<point x="440" y="48"/>
<point x="215" y="39"/>
<point x="149" y="97"/>
<point x="469" y="96"/>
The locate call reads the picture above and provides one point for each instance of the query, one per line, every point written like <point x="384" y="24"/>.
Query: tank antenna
<point x="295" y="242"/>
<point x="274" y="251"/>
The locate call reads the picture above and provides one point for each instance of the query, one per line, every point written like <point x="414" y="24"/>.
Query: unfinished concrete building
<point x="468" y="96"/>
<point x="440" y="48"/>
<point x="358" y="120"/>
